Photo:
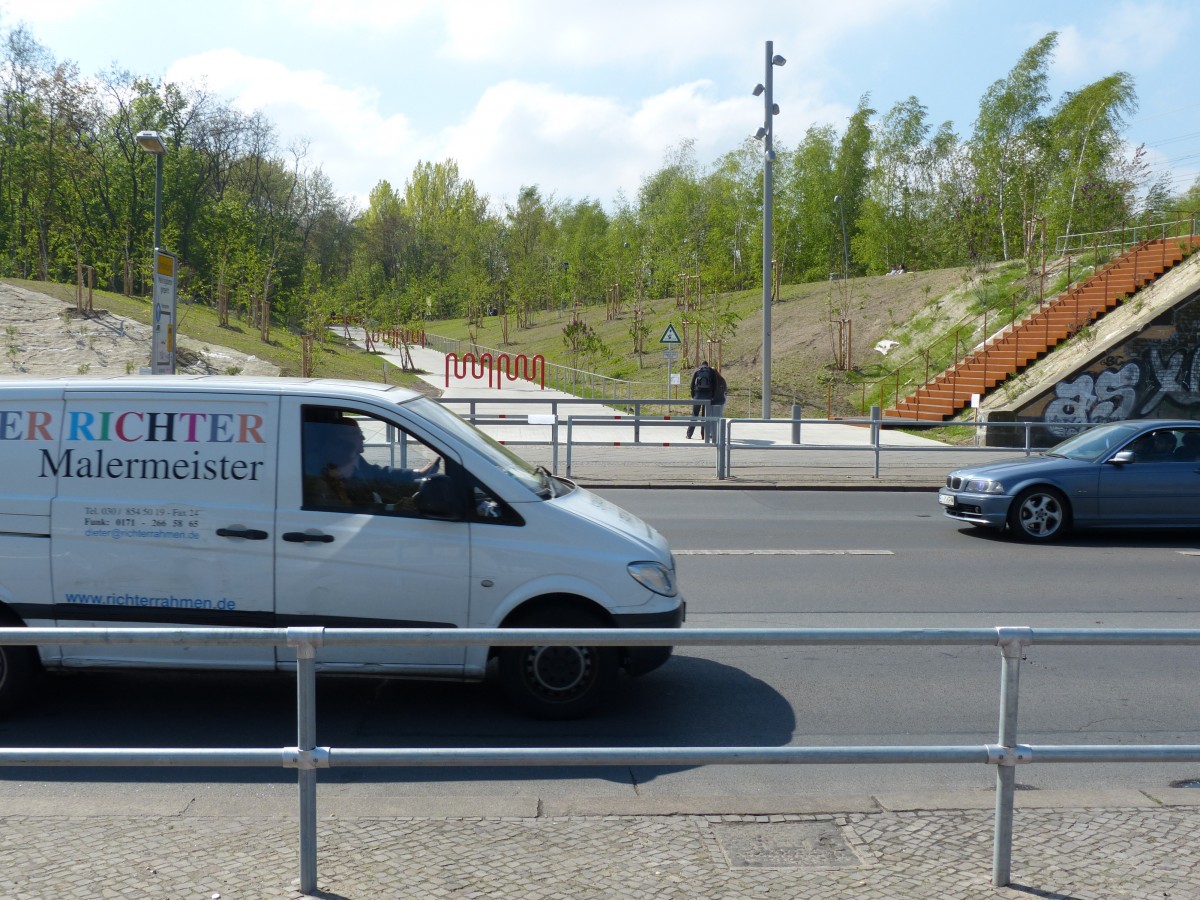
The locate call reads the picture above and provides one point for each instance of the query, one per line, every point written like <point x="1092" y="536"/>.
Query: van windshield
<point x="503" y="458"/>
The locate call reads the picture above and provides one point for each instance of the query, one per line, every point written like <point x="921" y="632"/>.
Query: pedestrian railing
<point x="646" y="427"/>
<point x="1005" y="754"/>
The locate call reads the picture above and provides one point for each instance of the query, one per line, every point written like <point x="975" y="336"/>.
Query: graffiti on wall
<point x="1154" y="374"/>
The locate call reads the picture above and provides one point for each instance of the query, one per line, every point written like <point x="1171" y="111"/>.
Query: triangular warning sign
<point x="670" y="336"/>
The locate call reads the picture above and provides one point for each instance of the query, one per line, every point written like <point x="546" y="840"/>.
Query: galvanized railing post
<point x="721" y="426"/>
<point x="305" y="642"/>
<point x="570" y="428"/>
<point x="875" y="414"/>
<point x="554" y="443"/>
<point x="1012" y="643"/>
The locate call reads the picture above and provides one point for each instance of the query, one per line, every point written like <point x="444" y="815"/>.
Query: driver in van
<point x="346" y="479"/>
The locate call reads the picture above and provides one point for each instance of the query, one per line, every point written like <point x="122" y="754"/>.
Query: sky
<point x="585" y="100"/>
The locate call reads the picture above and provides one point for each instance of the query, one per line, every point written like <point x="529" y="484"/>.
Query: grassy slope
<point x="804" y="337"/>
<point x="914" y="309"/>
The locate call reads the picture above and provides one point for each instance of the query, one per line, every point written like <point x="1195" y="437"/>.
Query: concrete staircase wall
<point x="1017" y="347"/>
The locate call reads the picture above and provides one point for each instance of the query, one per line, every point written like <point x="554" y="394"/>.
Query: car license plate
<point x="946" y="499"/>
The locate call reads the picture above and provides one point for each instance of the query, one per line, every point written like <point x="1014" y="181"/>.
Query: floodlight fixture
<point x="778" y="60"/>
<point x="151" y="142"/>
<point x="760" y="134"/>
<point x="758" y="89"/>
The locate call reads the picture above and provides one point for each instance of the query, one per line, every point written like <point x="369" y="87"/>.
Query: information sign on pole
<point x="162" y="353"/>
<point x="670" y="336"/>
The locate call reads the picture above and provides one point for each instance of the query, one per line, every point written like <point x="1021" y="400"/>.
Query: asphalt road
<point x="836" y="559"/>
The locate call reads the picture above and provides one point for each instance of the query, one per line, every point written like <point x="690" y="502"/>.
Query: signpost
<point x="162" y="357"/>
<point x="670" y="340"/>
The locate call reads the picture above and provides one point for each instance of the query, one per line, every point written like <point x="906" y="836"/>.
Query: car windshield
<point x="1095" y="442"/>
<point x="537" y="479"/>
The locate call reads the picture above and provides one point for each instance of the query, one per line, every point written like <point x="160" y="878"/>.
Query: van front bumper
<point x="640" y="660"/>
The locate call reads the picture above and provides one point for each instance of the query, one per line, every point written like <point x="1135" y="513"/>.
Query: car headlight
<point x="655" y="576"/>
<point x="982" y="486"/>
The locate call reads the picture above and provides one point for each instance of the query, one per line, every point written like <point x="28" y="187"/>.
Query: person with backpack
<point x="704" y="385"/>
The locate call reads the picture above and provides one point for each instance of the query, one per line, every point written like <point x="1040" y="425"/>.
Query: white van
<point x="192" y="501"/>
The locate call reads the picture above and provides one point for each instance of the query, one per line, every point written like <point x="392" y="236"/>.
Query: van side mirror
<point x="439" y="498"/>
<point x="1121" y="457"/>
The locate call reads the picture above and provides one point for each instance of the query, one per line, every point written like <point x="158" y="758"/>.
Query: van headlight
<point x="982" y="486"/>
<point x="655" y="576"/>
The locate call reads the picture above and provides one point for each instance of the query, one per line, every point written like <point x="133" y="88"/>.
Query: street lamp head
<point x="760" y="134"/>
<point x="837" y="198"/>
<point x="151" y="142"/>
<point x="758" y="89"/>
<point x="774" y="109"/>
<point x="778" y="60"/>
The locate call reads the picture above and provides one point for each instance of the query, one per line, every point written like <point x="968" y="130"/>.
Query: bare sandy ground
<point x="44" y="336"/>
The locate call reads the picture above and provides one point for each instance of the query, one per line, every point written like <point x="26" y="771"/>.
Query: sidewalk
<point x="831" y="455"/>
<point x="1066" y="846"/>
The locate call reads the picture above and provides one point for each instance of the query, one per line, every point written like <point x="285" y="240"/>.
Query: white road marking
<point x="1190" y="552"/>
<point x="785" y="553"/>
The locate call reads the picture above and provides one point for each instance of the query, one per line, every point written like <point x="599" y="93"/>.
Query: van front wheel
<point x="558" y="682"/>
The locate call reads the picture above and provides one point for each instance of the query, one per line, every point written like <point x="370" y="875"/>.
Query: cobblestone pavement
<point x="1083" y="853"/>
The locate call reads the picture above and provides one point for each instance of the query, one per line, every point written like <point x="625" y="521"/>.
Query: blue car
<point x="1136" y="472"/>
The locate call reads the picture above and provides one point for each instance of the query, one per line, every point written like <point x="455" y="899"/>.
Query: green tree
<point x="1009" y="138"/>
<point x="1085" y="190"/>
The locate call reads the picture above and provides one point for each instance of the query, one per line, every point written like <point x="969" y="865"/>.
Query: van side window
<point x="355" y="462"/>
<point x="486" y="507"/>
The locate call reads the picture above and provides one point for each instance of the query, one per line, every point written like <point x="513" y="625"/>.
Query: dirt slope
<point x="44" y="336"/>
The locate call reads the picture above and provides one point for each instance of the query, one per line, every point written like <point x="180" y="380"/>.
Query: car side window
<point x="1189" y="446"/>
<point x="356" y="462"/>
<point x="1156" y="446"/>
<point x="487" y="508"/>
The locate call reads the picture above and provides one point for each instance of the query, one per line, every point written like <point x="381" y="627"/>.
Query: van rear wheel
<point x="558" y="682"/>
<point x="17" y="667"/>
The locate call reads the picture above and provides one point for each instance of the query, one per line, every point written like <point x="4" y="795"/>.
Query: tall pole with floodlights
<point x="765" y="134"/>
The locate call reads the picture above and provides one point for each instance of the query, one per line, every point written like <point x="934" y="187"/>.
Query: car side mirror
<point x="438" y="498"/>
<point x="1121" y="457"/>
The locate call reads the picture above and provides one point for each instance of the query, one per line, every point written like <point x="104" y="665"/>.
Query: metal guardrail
<point x="726" y="442"/>
<point x="1006" y="754"/>
<point x="1126" y="236"/>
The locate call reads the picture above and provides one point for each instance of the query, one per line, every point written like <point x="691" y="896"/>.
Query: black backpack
<point x="703" y="382"/>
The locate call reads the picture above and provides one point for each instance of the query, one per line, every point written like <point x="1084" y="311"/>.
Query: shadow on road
<point x="1105" y="538"/>
<point x="689" y="702"/>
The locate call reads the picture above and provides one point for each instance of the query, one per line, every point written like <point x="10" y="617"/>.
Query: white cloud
<point x="587" y="146"/>
<point x="1130" y="35"/>
<point x="350" y="138"/>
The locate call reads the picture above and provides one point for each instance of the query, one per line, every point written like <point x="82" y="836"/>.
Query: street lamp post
<point x="765" y="134"/>
<point x="163" y="274"/>
<point x="152" y="142"/>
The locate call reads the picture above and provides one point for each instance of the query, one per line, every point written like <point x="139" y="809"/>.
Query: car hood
<point x="1020" y="468"/>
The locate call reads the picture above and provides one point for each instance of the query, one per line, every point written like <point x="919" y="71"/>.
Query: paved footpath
<point x="1092" y="851"/>
<point x="1116" y="844"/>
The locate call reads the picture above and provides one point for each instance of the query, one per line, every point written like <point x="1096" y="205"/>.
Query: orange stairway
<point x="1033" y="337"/>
